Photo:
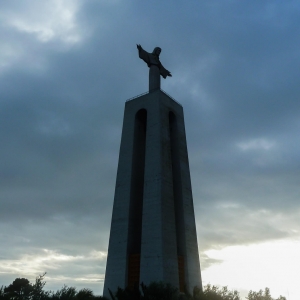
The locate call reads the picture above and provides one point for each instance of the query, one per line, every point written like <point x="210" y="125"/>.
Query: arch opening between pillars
<point x="177" y="197"/>
<point x="136" y="197"/>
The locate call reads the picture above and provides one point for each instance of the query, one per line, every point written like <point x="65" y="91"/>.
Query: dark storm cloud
<point x="235" y="69"/>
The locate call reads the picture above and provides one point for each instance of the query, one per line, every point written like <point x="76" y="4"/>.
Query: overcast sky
<point x="66" y="69"/>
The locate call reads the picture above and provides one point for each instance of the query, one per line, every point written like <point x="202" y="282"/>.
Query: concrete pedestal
<point x="154" y="78"/>
<point x="153" y="233"/>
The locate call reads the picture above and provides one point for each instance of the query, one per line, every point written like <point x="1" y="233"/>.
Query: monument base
<point x="153" y="232"/>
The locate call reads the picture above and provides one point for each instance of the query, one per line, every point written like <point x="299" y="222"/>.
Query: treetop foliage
<point x="262" y="295"/>
<point x="22" y="289"/>
<point x="164" y="291"/>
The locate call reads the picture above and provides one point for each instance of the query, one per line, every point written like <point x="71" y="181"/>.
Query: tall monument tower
<point x="153" y="232"/>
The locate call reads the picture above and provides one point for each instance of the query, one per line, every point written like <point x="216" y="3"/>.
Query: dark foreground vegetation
<point x="22" y="289"/>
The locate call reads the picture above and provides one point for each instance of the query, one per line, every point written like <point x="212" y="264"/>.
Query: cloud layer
<point x="66" y="69"/>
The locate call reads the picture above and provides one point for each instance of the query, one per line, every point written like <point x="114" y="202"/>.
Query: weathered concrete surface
<point x="168" y="222"/>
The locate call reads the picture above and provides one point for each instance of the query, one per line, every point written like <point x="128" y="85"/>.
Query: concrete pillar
<point x="153" y="233"/>
<point x="154" y="78"/>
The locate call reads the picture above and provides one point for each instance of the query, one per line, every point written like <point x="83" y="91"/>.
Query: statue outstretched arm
<point x="144" y="55"/>
<point x="164" y="72"/>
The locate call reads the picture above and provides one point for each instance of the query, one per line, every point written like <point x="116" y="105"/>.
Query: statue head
<point x="156" y="51"/>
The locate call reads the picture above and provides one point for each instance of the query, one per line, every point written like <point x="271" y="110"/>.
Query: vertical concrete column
<point x="189" y="243"/>
<point x="154" y="78"/>
<point x="116" y="266"/>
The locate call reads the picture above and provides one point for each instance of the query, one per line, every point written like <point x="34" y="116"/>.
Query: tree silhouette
<point x="19" y="289"/>
<point x="22" y="289"/>
<point x="262" y="295"/>
<point x="85" y="294"/>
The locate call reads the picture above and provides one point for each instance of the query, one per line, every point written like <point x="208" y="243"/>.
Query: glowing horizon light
<point x="31" y="265"/>
<point x="273" y="264"/>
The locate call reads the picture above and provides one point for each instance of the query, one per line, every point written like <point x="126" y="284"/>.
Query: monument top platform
<point x="152" y="92"/>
